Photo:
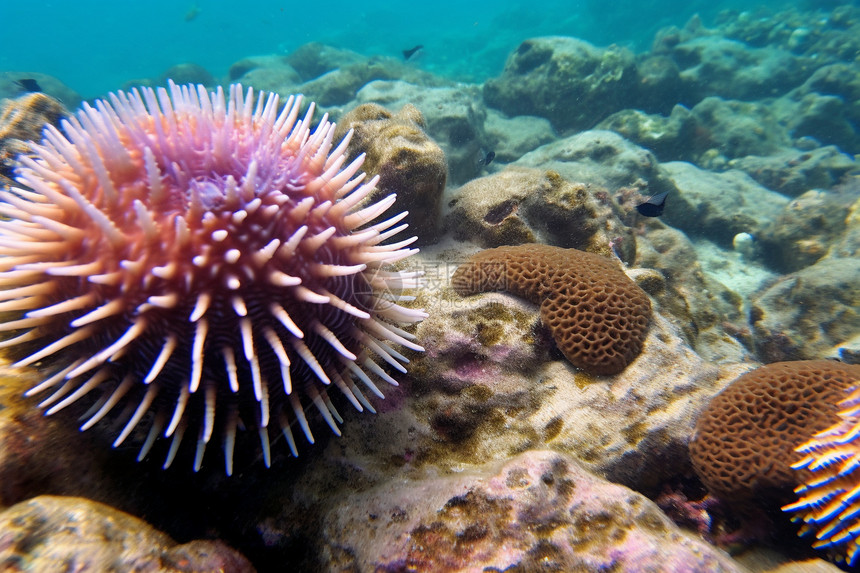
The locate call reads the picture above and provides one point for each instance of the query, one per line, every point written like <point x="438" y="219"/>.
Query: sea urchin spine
<point x="204" y="259"/>
<point x="829" y="501"/>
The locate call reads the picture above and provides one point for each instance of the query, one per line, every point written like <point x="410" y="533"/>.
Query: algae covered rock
<point x="453" y="116"/>
<point x="53" y="533"/>
<point x="526" y="205"/>
<point x="568" y="81"/>
<point x="707" y="314"/>
<point x="22" y="120"/>
<point x="602" y="158"/>
<point x="512" y="137"/>
<point x="803" y="232"/>
<point x="718" y="206"/>
<point x="536" y="511"/>
<point x="807" y="313"/>
<point x="669" y="138"/>
<point x="405" y="158"/>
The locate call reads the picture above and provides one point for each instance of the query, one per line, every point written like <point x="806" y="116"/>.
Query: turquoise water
<point x="95" y="46"/>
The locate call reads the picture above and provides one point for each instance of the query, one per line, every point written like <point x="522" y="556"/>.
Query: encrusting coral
<point x="745" y="439"/>
<point x="598" y="317"/>
<point x="829" y="499"/>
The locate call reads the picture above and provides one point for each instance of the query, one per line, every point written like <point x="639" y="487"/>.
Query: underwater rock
<point x="805" y="314"/>
<point x="525" y="205"/>
<point x="825" y="118"/>
<point x="568" y="81"/>
<point x="407" y="161"/>
<point x="537" y="511"/>
<point x="513" y="137"/>
<point x="713" y="65"/>
<point x="849" y="244"/>
<point x="49" y="85"/>
<point x="602" y="158"/>
<point x="660" y="87"/>
<point x="270" y="62"/>
<point x="52" y="533"/>
<point x="34" y="453"/>
<point x="840" y="83"/>
<point x="707" y="313"/>
<point x="187" y="73"/>
<point x="670" y="138"/>
<point x="21" y="121"/>
<point x="333" y="76"/>
<point x="803" y="232"/>
<point x="718" y="206"/>
<point x="453" y="116"/>
<point x="733" y="128"/>
<point x="341" y="85"/>
<point x="314" y="59"/>
<point x="266" y="73"/>
<point x="792" y="172"/>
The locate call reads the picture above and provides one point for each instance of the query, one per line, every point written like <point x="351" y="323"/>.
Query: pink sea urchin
<point x="829" y="501"/>
<point x="205" y="259"/>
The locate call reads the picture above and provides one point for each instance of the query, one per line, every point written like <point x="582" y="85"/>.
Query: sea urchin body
<point x="205" y="259"/>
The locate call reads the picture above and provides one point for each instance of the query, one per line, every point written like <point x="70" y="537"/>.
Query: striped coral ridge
<point x="829" y="502"/>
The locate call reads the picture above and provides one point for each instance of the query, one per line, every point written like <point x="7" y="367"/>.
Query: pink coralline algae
<point x="204" y="262"/>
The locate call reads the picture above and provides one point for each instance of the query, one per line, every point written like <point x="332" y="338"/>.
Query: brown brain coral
<point x="596" y="314"/>
<point x="745" y="440"/>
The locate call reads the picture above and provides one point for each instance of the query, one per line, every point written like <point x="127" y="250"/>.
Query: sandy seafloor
<point x="495" y="453"/>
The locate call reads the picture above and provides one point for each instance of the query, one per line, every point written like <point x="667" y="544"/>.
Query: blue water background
<point x="95" y="46"/>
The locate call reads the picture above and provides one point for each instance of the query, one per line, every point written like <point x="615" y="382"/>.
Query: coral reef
<point x="492" y="451"/>
<point x="597" y="316"/>
<point x="744" y="444"/>
<point x="406" y="161"/>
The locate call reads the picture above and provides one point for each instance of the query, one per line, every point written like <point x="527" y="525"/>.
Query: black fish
<point x="653" y="205"/>
<point x="29" y="85"/>
<point x="411" y="52"/>
<point x="485" y="158"/>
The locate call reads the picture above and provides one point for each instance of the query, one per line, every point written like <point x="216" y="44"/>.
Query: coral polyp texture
<point x="829" y="500"/>
<point x="204" y="259"/>
<point x="744" y="444"/>
<point x="597" y="316"/>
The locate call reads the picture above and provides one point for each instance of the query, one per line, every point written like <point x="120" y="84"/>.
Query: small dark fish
<point x="29" y="85"/>
<point x="485" y="158"/>
<point x="411" y="52"/>
<point x="653" y="205"/>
